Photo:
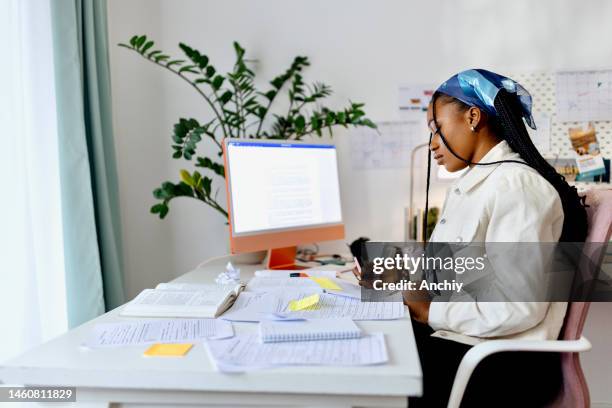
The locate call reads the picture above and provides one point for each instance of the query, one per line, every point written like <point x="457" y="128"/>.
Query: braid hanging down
<point x="510" y="127"/>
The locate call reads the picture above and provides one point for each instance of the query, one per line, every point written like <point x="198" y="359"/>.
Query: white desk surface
<point x="123" y="374"/>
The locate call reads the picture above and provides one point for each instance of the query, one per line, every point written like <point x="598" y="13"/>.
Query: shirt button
<point x="457" y="191"/>
<point x="459" y="239"/>
<point x="443" y="221"/>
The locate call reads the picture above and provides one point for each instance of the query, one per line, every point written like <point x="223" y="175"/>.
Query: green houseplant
<point x="238" y="110"/>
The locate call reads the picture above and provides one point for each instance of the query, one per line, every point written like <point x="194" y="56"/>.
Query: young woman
<point x="508" y="194"/>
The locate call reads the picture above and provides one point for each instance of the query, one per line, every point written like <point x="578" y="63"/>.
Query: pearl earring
<point x="473" y="129"/>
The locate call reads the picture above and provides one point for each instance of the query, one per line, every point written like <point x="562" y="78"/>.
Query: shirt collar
<point x="476" y="174"/>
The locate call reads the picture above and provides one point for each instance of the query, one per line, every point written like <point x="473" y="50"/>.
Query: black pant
<point x="510" y="379"/>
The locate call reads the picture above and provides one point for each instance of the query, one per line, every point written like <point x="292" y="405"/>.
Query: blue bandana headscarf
<point x="479" y="87"/>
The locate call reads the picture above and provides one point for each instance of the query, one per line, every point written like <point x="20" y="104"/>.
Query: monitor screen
<point x="282" y="185"/>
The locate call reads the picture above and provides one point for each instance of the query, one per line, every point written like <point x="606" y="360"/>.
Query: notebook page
<point x="304" y="330"/>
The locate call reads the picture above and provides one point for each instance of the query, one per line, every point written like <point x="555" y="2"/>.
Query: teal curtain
<point x="90" y="204"/>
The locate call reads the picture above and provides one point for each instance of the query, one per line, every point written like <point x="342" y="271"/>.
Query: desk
<point x="122" y="377"/>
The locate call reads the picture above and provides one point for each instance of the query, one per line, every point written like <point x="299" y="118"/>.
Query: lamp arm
<point x="408" y="235"/>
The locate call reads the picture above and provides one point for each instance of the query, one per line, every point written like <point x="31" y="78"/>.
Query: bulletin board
<point x="542" y="87"/>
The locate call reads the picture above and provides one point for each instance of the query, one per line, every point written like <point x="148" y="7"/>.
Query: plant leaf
<point x="207" y="163"/>
<point x="148" y="45"/>
<point x="140" y="41"/>
<point x="206" y="185"/>
<point x="188" y="68"/>
<point x="225" y="97"/>
<point x="217" y="82"/>
<point x="186" y="178"/>
<point x="174" y="62"/>
<point x="300" y="123"/>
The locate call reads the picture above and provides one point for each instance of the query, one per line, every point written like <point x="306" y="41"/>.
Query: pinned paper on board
<point x="168" y="350"/>
<point x="304" y="303"/>
<point x="326" y="283"/>
<point x="584" y="95"/>
<point x="588" y="155"/>
<point x="541" y="135"/>
<point x="388" y="147"/>
<point x="414" y="99"/>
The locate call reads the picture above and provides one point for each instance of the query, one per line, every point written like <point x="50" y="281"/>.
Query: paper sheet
<point x="170" y="298"/>
<point x="340" y="306"/>
<point x="348" y="289"/>
<point x="252" y="307"/>
<point x="196" y="287"/>
<point x="388" y="147"/>
<point x="541" y="136"/>
<point x="141" y="332"/>
<point x="278" y="273"/>
<point x="414" y="99"/>
<point x="245" y="352"/>
<point x="584" y="95"/>
<point x="255" y="307"/>
<point x="268" y="284"/>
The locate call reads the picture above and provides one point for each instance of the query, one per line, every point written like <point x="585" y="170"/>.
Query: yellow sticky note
<point x="304" y="303"/>
<point x="168" y="350"/>
<point x="326" y="283"/>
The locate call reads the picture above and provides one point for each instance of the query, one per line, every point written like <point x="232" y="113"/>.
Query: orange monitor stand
<point x="283" y="258"/>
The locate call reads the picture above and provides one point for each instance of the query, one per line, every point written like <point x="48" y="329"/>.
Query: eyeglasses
<point x="433" y="129"/>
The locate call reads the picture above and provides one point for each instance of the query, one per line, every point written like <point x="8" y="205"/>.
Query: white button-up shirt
<point x="508" y="202"/>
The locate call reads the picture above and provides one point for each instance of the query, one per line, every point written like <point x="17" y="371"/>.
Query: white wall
<point x="364" y="49"/>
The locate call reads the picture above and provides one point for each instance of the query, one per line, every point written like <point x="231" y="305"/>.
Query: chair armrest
<point x="477" y="353"/>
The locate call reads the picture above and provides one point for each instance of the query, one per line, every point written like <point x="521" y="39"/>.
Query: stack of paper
<point x="245" y="352"/>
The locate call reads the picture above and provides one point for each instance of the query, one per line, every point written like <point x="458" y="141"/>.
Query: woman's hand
<point x="363" y="283"/>
<point x="416" y="300"/>
<point x="357" y="272"/>
<point x="418" y="304"/>
<point x="419" y="311"/>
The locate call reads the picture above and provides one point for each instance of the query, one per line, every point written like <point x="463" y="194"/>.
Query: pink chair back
<point x="575" y="392"/>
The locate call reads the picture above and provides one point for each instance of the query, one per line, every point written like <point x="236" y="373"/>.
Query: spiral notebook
<point x="305" y="330"/>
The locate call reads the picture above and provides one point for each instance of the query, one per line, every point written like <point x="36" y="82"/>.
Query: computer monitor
<point x="281" y="194"/>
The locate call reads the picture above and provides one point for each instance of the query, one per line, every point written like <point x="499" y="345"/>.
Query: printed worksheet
<point x="141" y="332"/>
<point x="340" y="306"/>
<point x="255" y="307"/>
